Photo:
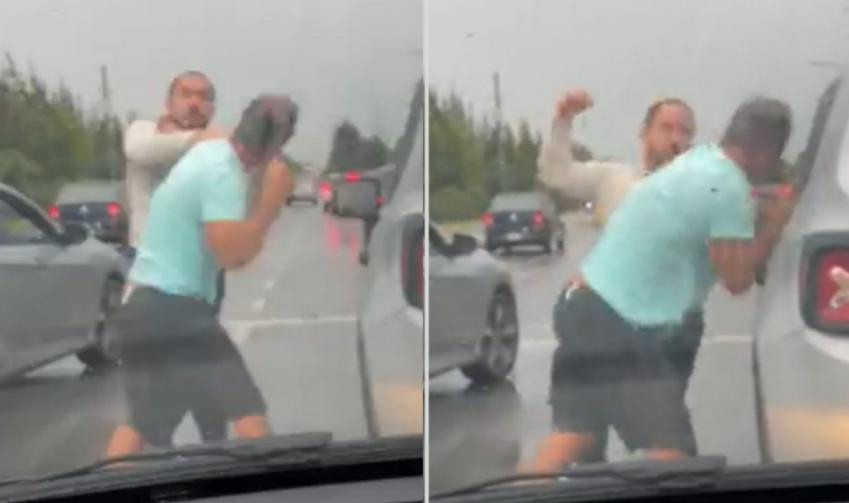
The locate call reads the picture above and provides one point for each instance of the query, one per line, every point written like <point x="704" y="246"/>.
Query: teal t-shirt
<point x="651" y="262"/>
<point x="208" y="184"/>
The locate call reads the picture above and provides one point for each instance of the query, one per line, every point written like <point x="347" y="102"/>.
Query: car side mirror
<point x="75" y="233"/>
<point x="464" y="244"/>
<point x="359" y="199"/>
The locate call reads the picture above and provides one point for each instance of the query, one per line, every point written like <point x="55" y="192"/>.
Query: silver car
<point x="57" y="285"/>
<point x="306" y="189"/>
<point x="801" y="346"/>
<point x="473" y="323"/>
<point x="390" y="317"/>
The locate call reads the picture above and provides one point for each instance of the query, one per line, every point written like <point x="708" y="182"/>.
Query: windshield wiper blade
<point x="295" y="448"/>
<point x="685" y="473"/>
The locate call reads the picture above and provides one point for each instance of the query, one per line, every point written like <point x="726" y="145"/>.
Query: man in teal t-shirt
<point x="207" y="185"/>
<point x="175" y="356"/>
<point x="673" y="236"/>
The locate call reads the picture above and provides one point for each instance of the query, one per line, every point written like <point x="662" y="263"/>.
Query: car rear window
<point x="518" y="201"/>
<point x="89" y="193"/>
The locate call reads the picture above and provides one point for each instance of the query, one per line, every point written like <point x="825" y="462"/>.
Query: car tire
<point x="96" y="356"/>
<point x="499" y="345"/>
<point x="561" y="244"/>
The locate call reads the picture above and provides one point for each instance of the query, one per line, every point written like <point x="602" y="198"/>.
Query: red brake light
<point x="832" y="287"/>
<point x="380" y="200"/>
<point x="539" y="218"/>
<point x="114" y="209"/>
<point x="326" y="190"/>
<point x="54" y="212"/>
<point x="352" y="176"/>
<point x="488" y="219"/>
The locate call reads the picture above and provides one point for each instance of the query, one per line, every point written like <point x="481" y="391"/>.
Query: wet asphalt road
<point x="483" y="433"/>
<point x="291" y="313"/>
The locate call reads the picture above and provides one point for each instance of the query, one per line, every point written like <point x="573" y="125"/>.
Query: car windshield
<point x="167" y="320"/>
<point x="700" y="163"/>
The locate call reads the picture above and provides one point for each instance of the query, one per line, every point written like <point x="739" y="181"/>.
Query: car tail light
<point x="54" y="212"/>
<point x="114" y="209"/>
<point x="412" y="263"/>
<point x="325" y="190"/>
<point x="539" y="219"/>
<point x="488" y="219"/>
<point x="832" y="286"/>
<point x="352" y="176"/>
<point x="824" y="282"/>
<point x="380" y="201"/>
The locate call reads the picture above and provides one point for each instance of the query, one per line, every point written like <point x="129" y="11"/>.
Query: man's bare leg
<point x="125" y="440"/>
<point x="559" y="449"/>
<point x="252" y="427"/>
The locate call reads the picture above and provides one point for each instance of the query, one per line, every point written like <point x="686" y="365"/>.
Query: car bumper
<point x="803" y="398"/>
<point x="519" y="237"/>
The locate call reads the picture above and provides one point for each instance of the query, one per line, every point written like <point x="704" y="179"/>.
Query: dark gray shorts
<point x="605" y="372"/>
<point x="176" y="358"/>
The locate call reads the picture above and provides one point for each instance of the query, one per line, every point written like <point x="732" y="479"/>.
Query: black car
<point x="523" y="218"/>
<point x="100" y="205"/>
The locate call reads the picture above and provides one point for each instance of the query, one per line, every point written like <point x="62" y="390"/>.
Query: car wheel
<point x="499" y="344"/>
<point x="95" y="356"/>
<point x="561" y="244"/>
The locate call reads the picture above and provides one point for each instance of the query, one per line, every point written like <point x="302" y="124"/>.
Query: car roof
<point x="91" y="191"/>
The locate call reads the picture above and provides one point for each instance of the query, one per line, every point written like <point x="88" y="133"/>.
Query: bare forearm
<point x="767" y="235"/>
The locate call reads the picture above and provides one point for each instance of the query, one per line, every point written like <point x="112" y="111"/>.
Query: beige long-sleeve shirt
<point x="150" y="156"/>
<point x="603" y="183"/>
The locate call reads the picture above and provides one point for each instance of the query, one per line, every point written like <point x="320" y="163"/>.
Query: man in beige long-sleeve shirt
<point x="667" y="130"/>
<point x="152" y="149"/>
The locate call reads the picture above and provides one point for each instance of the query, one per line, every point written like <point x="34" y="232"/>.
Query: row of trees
<point x="464" y="152"/>
<point x="350" y="150"/>
<point x="47" y="138"/>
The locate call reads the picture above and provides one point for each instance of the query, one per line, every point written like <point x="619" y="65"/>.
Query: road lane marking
<point x="728" y="339"/>
<point x="279" y="322"/>
<point x="709" y="339"/>
<point x="241" y="330"/>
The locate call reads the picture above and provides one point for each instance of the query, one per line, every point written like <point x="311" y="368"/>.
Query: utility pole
<point x="111" y="157"/>
<point x="499" y="153"/>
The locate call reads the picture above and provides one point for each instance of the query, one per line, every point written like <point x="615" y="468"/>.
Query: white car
<point x="390" y="318"/>
<point x="801" y="346"/>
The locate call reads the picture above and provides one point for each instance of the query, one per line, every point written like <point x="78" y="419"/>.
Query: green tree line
<point x="464" y="167"/>
<point x="350" y="150"/>
<point x="48" y="139"/>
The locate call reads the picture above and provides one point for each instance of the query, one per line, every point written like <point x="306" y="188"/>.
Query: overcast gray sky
<point x="628" y="52"/>
<point x="356" y="59"/>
